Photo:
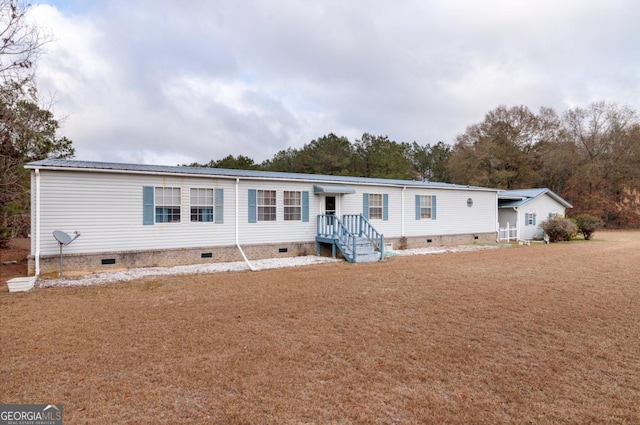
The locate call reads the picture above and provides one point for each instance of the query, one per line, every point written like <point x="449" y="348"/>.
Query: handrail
<point x="330" y="226"/>
<point x="359" y="225"/>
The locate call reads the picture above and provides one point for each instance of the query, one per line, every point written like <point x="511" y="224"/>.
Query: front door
<point x="330" y="205"/>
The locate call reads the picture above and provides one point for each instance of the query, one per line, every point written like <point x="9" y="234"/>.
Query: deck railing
<point x="330" y="227"/>
<point x="360" y="226"/>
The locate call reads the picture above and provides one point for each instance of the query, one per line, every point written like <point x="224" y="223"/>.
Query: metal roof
<point x="68" y="164"/>
<point x="519" y="197"/>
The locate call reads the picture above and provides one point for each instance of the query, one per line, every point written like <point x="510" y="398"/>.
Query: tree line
<point x="589" y="156"/>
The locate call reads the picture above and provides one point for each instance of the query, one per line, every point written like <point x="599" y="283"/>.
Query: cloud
<point x="174" y="82"/>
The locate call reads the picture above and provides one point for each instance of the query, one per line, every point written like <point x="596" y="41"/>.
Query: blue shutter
<point x="305" y="206"/>
<point x="418" y="211"/>
<point x="433" y="207"/>
<point x="147" y="205"/>
<point x="365" y="205"/>
<point x="253" y="206"/>
<point x="219" y="205"/>
<point x="385" y="206"/>
<point x="534" y="219"/>
<point x="526" y="219"/>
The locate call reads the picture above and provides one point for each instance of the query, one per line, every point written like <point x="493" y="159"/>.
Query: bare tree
<point x="20" y="41"/>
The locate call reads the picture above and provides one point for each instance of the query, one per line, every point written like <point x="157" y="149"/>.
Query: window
<point x="292" y="206"/>
<point x="375" y="206"/>
<point x="425" y="207"/>
<point x="529" y="219"/>
<point x="167" y="202"/>
<point x="202" y="204"/>
<point x="266" y="205"/>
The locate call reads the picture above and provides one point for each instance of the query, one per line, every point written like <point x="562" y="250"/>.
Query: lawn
<point x="541" y="334"/>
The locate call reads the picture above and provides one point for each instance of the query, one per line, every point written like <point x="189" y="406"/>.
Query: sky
<point x="174" y="82"/>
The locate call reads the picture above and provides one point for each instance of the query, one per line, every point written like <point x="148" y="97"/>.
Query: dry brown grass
<point x="526" y="335"/>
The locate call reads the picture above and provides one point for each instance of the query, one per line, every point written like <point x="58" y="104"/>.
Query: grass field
<point x="545" y="334"/>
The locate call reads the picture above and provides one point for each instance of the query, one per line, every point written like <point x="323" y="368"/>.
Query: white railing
<point x="508" y="234"/>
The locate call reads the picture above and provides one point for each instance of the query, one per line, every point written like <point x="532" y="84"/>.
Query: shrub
<point x="5" y="236"/>
<point x="559" y="229"/>
<point x="588" y="224"/>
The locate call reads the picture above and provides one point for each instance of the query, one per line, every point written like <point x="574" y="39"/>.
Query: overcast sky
<point x="172" y="82"/>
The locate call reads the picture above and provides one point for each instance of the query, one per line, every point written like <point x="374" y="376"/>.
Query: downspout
<point x="37" y="223"/>
<point x="402" y="215"/>
<point x="517" y="223"/>
<point x="238" y="228"/>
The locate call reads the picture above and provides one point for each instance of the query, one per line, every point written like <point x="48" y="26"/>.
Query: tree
<point x="20" y="42"/>
<point x="283" y="161"/>
<point x="429" y="162"/>
<point x="588" y="224"/>
<point x="328" y="154"/>
<point x="28" y="132"/>
<point x="606" y="139"/>
<point x="377" y="156"/>
<point x="501" y="151"/>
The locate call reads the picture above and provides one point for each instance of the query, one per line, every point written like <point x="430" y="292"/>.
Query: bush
<point x="5" y="236"/>
<point x="559" y="229"/>
<point x="588" y="224"/>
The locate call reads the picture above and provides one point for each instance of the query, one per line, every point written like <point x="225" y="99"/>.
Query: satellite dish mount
<point x="63" y="240"/>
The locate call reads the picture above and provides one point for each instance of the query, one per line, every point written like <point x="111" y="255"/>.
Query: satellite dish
<point x="63" y="239"/>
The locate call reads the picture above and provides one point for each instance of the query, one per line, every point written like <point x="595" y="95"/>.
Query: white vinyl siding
<point x="107" y="209"/>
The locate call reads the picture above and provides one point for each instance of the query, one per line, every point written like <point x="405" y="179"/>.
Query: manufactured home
<point x="133" y="215"/>
<point x="520" y="212"/>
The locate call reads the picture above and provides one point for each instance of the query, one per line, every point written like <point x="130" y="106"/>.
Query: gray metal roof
<point x="519" y="197"/>
<point x="229" y="173"/>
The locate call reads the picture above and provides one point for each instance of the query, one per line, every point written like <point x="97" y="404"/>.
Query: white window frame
<point x="531" y="219"/>
<point x="376" y="206"/>
<point x="292" y="205"/>
<point x="169" y="199"/>
<point x="426" y="207"/>
<point x="266" y="202"/>
<point x="203" y="203"/>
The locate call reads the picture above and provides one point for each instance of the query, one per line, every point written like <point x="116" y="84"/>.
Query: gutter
<point x="238" y="229"/>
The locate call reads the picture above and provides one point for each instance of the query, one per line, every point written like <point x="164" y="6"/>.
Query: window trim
<point x="201" y="206"/>
<point x="171" y="215"/>
<point x="269" y="211"/>
<point x="292" y="212"/>
<point x="366" y="206"/>
<point x="418" y="207"/>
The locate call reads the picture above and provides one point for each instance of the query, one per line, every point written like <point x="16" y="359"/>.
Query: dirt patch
<point x="543" y="334"/>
